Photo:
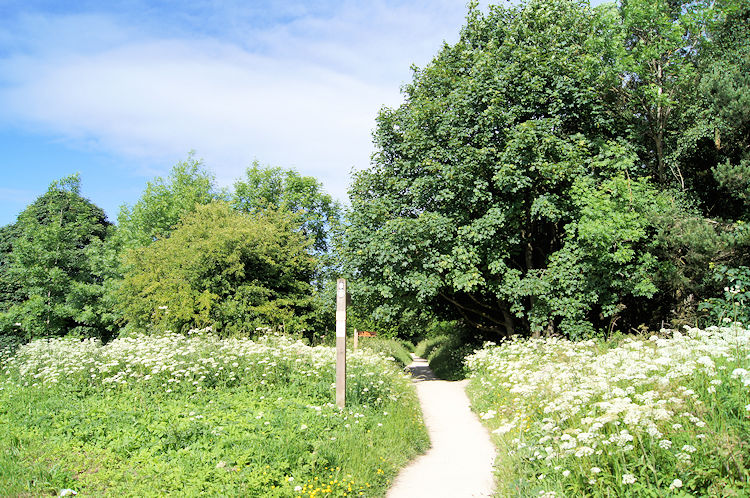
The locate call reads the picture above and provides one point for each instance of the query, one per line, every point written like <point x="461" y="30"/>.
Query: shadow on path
<point x="420" y="370"/>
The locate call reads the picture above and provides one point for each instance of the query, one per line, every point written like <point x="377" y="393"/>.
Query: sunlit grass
<point x="191" y="415"/>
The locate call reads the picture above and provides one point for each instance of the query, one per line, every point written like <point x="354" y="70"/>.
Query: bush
<point x="390" y="347"/>
<point x="425" y="346"/>
<point x="407" y="344"/>
<point x="447" y="358"/>
<point x="221" y="269"/>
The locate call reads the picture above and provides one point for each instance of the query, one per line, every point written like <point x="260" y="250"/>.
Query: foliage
<point x="470" y="185"/>
<point x="222" y="269"/>
<point x="265" y="188"/>
<point x="164" y="202"/>
<point x="734" y="304"/>
<point x="389" y="347"/>
<point x="666" y="416"/>
<point x="657" y="66"/>
<point x="713" y="144"/>
<point x="194" y="414"/>
<point x="549" y="171"/>
<point x="10" y="293"/>
<point x="425" y="346"/>
<point x="48" y="259"/>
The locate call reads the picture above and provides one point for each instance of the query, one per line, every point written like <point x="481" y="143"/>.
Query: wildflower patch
<point x="195" y="414"/>
<point x="656" y="417"/>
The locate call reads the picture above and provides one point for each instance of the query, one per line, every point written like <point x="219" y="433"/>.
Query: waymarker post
<point x="341" y="302"/>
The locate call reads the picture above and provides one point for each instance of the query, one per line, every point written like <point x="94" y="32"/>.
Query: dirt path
<point x="459" y="463"/>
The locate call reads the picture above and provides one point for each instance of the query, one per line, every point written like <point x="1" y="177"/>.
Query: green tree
<point x="714" y="143"/>
<point x="56" y="291"/>
<point x="164" y="202"/>
<point x="471" y="186"/>
<point x="512" y="189"/>
<point x="661" y="40"/>
<point x="220" y="268"/>
<point x="302" y="196"/>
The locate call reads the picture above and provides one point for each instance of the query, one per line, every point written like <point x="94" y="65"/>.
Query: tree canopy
<point x="220" y="268"/>
<point x="47" y="265"/>
<point x="530" y="180"/>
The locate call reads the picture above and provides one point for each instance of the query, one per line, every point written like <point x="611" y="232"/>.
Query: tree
<point x="470" y="190"/>
<point x="661" y="42"/>
<point x="219" y="268"/>
<point x="714" y="143"/>
<point x="164" y="202"/>
<point x="50" y="265"/>
<point x="302" y="196"/>
<point x="508" y="192"/>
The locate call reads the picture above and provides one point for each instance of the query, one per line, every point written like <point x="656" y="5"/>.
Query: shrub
<point x="425" y="346"/>
<point x="221" y="269"/>
<point x="407" y="344"/>
<point x="447" y="359"/>
<point x="390" y="347"/>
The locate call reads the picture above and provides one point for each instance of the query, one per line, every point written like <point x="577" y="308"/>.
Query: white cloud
<point x="308" y="100"/>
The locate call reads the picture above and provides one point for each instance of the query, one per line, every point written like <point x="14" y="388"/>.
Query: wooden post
<point x="341" y="296"/>
<point x="356" y="339"/>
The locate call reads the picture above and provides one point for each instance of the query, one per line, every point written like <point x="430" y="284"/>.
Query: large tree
<point x="504" y="191"/>
<point x="220" y="268"/>
<point x="54" y="289"/>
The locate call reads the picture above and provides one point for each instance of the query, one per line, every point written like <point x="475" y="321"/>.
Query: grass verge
<point x="195" y="415"/>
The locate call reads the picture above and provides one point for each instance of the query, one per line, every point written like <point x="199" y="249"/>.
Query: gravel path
<point x="459" y="463"/>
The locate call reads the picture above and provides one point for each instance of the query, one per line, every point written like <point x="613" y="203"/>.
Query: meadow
<point x="664" y="415"/>
<point x="196" y="415"/>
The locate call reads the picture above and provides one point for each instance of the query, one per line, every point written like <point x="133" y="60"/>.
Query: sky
<point x="120" y="91"/>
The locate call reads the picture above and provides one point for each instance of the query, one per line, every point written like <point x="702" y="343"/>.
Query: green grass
<point x="445" y="354"/>
<point x="659" y="416"/>
<point x="260" y="422"/>
<point x="393" y="348"/>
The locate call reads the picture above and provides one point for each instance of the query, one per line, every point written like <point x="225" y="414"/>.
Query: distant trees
<point x="185" y="255"/>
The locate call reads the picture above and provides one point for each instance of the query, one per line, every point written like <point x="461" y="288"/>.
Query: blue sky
<point x="121" y="90"/>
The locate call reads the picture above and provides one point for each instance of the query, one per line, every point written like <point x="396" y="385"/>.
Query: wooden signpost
<point x="341" y="302"/>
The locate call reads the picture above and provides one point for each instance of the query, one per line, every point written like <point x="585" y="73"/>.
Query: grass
<point x="446" y="354"/>
<point x="661" y="416"/>
<point x="394" y="348"/>
<point x="195" y="415"/>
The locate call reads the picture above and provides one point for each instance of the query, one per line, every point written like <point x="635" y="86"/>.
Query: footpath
<point x="460" y="461"/>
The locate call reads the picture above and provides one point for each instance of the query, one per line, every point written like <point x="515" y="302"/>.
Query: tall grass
<point x="663" y="416"/>
<point x="193" y="415"/>
<point x="393" y="348"/>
